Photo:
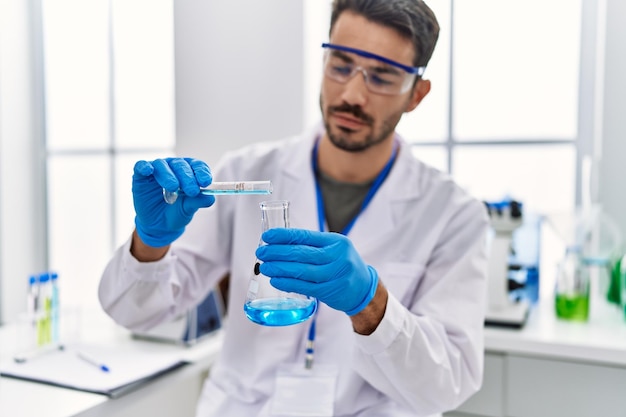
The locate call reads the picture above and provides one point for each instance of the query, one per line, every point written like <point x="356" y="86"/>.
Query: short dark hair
<point x="412" y="19"/>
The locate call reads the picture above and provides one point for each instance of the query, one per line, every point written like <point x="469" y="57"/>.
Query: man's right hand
<point x="158" y="223"/>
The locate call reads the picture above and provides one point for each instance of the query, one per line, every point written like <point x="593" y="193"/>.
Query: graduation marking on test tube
<point x="226" y="188"/>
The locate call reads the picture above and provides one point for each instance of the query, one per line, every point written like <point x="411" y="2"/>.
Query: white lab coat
<point x="424" y="235"/>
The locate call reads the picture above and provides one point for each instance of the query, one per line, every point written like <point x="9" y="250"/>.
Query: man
<point x="392" y="249"/>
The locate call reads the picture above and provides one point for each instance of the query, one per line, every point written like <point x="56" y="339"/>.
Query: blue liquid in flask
<point x="280" y="311"/>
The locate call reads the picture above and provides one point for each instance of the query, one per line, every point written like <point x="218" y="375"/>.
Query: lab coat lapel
<point x="381" y="217"/>
<point x="299" y="184"/>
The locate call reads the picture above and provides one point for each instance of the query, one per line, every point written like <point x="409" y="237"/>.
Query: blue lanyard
<point x="321" y="218"/>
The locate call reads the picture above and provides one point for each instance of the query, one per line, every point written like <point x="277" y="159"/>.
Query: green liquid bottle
<point x="572" y="307"/>
<point x="572" y="287"/>
<point x="622" y="283"/>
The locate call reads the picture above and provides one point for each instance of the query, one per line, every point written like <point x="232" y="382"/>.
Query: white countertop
<point x="601" y="339"/>
<point x="26" y="399"/>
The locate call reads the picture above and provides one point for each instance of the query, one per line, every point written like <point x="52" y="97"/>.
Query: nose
<point x="355" y="90"/>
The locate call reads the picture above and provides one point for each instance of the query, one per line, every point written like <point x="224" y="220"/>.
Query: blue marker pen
<point x="93" y="362"/>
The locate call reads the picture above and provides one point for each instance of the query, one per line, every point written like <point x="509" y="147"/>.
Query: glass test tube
<point x="226" y="188"/>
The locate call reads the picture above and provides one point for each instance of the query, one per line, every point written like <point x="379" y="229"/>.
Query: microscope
<point x="506" y="217"/>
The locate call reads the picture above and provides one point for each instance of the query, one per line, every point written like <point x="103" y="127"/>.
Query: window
<point x="109" y="99"/>
<point x="503" y="113"/>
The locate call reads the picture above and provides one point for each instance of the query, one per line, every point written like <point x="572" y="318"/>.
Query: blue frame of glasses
<point x="411" y="70"/>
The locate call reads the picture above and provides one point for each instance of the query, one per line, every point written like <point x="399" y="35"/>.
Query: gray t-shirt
<point x="342" y="200"/>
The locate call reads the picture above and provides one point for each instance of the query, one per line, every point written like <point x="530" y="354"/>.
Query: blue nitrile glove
<point x="321" y="265"/>
<point x="158" y="223"/>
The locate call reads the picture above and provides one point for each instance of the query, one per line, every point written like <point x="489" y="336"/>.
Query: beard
<point x="341" y="138"/>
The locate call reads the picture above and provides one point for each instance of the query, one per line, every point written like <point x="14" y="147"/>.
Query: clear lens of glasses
<point x="380" y="77"/>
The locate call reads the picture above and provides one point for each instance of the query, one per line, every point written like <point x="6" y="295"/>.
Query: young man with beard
<point x="393" y="250"/>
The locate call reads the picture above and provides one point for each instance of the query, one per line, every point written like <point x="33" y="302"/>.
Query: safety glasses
<point x="382" y="75"/>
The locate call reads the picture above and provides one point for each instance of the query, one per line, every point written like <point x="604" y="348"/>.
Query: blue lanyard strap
<point x="378" y="181"/>
<point x="321" y="218"/>
<point x="308" y="360"/>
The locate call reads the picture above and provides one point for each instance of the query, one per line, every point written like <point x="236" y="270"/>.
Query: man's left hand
<point x="318" y="264"/>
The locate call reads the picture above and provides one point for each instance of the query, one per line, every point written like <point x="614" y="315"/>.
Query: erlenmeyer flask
<point x="265" y="304"/>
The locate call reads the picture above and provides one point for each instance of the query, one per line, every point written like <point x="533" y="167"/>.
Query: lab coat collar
<point x="384" y="213"/>
<point x="403" y="185"/>
<point x="299" y="182"/>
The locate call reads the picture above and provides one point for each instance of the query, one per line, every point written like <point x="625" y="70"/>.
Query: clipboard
<point x="128" y="369"/>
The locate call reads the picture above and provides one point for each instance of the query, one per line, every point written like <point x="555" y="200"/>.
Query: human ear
<point x="420" y="90"/>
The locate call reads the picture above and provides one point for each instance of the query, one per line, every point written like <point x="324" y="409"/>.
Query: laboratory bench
<point x="554" y="368"/>
<point x="172" y="394"/>
<point x="548" y="368"/>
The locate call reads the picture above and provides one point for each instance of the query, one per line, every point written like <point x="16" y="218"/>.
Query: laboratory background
<point x="526" y="111"/>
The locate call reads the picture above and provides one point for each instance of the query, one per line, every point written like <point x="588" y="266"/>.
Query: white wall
<point x="22" y="230"/>
<point x="239" y="73"/>
<point x="612" y="181"/>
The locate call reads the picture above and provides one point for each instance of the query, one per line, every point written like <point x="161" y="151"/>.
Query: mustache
<point x="356" y="111"/>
